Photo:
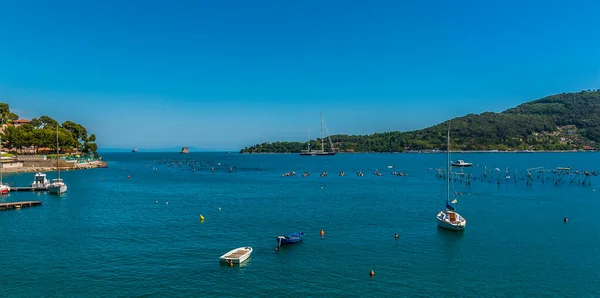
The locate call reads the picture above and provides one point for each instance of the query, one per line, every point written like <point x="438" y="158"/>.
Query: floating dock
<point x="18" y="205"/>
<point x="28" y="188"/>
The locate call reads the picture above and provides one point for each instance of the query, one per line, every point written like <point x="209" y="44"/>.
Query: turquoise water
<point x="114" y="236"/>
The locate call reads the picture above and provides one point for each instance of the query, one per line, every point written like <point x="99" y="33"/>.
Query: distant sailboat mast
<point x="308" y="137"/>
<point x="322" y="143"/>
<point x="448" y="166"/>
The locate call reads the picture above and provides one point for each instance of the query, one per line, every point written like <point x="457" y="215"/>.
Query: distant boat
<point x="290" y="238"/>
<point x="57" y="186"/>
<point x="237" y="256"/>
<point x="134" y="150"/>
<point x="185" y="150"/>
<point x="449" y="218"/>
<point x="322" y="152"/>
<point x="461" y="163"/>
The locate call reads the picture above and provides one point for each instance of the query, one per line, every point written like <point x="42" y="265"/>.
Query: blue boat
<point x="290" y="238"/>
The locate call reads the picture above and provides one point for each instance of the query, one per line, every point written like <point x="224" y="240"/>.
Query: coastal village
<point x="27" y="160"/>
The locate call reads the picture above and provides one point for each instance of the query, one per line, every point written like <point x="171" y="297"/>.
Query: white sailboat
<point x="449" y="218"/>
<point x="4" y="189"/>
<point x="57" y="186"/>
<point x="322" y="152"/>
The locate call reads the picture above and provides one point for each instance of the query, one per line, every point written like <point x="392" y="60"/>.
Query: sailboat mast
<point x="308" y="137"/>
<point x="322" y="144"/>
<point x="1" y="164"/>
<point x="448" y="165"/>
<point x="57" y="160"/>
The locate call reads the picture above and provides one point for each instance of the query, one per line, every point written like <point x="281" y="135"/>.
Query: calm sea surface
<point x="114" y="236"/>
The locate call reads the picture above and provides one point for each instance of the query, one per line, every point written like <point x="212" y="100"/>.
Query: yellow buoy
<point x="201" y="217"/>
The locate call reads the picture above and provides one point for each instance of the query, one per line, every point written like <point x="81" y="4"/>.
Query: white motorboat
<point x="461" y="163"/>
<point x="237" y="256"/>
<point x="40" y="181"/>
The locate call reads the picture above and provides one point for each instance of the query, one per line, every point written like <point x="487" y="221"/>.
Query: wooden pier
<point x="18" y="205"/>
<point x="28" y="188"/>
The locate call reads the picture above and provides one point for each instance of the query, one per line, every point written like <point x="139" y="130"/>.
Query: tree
<point x="35" y="122"/>
<point x="48" y="122"/>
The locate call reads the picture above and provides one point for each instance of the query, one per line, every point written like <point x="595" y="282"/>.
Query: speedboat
<point x="57" y="186"/>
<point x="461" y="163"/>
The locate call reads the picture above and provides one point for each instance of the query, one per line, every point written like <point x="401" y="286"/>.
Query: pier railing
<point x="30" y="157"/>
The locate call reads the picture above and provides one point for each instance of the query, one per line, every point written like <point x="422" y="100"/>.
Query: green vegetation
<point x="564" y="121"/>
<point x="41" y="133"/>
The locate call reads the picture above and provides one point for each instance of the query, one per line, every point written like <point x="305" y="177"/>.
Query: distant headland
<point x="29" y="145"/>
<point x="561" y="122"/>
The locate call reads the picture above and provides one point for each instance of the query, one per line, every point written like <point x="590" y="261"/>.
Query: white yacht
<point x="40" y="181"/>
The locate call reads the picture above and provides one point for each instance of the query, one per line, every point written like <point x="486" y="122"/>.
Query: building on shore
<point x="20" y="122"/>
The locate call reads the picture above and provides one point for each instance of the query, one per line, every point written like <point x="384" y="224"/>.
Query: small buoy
<point x="276" y="248"/>
<point x="219" y="208"/>
<point x="201" y="217"/>
<point x="566" y="219"/>
<point x="128" y="176"/>
<point x="230" y="263"/>
<point x="322" y="233"/>
<point x="156" y="202"/>
<point x="166" y="203"/>
<point x="372" y="273"/>
<point x="396" y="235"/>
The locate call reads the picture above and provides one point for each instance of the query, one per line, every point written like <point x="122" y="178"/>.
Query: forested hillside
<point x="559" y="122"/>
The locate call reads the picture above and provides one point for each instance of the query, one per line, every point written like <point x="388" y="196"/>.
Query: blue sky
<point x="225" y="74"/>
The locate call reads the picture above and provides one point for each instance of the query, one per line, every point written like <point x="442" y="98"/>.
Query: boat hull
<point x="57" y="189"/>
<point x="317" y="153"/>
<point x="237" y="256"/>
<point x="290" y="239"/>
<point x="453" y="226"/>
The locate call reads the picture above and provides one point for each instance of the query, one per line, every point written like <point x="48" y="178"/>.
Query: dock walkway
<point x="18" y="205"/>
<point x="28" y="188"/>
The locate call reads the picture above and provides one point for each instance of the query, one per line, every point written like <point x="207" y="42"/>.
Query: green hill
<point x="564" y="121"/>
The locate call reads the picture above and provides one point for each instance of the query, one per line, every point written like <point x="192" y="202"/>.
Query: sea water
<point x="134" y="228"/>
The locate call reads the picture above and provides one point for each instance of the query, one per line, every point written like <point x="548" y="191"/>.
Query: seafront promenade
<point x="29" y="164"/>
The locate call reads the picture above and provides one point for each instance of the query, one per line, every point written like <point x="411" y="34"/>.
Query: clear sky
<point x="225" y="74"/>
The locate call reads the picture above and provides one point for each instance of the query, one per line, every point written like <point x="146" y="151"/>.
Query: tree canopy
<point x="558" y="122"/>
<point x="42" y="133"/>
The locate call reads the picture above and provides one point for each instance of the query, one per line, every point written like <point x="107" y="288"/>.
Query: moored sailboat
<point x="57" y="186"/>
<point x="4" y="189"/>
<point x="449" y="218"/>
<point x="322" y="152"/>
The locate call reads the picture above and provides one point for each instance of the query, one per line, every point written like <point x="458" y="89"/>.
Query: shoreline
<point x="32" y="169"/>
<point x="440" y="151"/>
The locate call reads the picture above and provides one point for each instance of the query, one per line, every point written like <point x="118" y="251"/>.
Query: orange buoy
<point x="322" y="233"/>
<point x="230" y="263"/>
<point x="372" y="273"/>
